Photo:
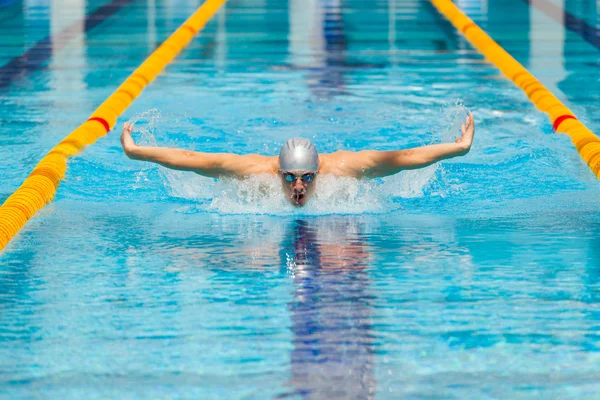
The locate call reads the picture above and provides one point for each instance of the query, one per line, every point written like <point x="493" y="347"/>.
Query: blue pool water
<point x="475" y="278"/>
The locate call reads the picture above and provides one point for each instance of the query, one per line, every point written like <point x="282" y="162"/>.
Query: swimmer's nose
<point x="297" y="185"/>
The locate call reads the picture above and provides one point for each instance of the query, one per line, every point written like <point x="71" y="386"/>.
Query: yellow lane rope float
<point x="563" y="120"/>
<point x="40" y="187"/>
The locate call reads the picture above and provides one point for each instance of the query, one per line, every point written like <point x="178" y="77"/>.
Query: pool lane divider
<point x="40" y="186"/>
<point x="563" y="119"/>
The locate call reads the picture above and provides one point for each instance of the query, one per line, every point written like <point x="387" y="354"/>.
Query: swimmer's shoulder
<point x="253" y="164"/>
<point x="264" y="164"/>
<point x="339" y="163"/>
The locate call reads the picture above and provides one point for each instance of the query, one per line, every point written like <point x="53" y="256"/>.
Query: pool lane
<point x="41" y="185"/>
<point x="588" y="32"/>
<point x="563" y="119"/>
<point x="33" y="59"/>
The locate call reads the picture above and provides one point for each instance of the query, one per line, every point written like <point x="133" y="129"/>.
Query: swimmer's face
<point x="298" y="186"/>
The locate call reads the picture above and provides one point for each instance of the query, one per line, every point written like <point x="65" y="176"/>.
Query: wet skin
<point x="342" y="163"/>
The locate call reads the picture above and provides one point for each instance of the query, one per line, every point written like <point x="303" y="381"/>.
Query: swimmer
<point x="298" y="164"/>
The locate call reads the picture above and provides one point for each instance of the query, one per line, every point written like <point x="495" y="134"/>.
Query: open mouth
<point x="298" y="198"/>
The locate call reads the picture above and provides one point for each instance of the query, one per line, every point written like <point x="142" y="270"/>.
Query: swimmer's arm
<point x="373" y="164"/>
<point x="212" y="165"/>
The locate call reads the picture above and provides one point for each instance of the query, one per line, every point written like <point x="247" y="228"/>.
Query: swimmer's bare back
<point x="361" y="164"/>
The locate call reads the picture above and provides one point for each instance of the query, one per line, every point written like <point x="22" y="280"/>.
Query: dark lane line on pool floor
<point x="34" y="58"/>
<point x="588" y="32"/>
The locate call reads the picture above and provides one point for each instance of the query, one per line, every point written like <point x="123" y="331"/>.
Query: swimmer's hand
<point x="126" y="139"/>
<point x="213" y="165"/>
<point x="377" y="164"/>
<point x="467" y="131"/>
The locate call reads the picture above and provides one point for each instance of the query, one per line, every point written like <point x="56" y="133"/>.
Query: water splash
<point x="333" y="195"/>
<point x="454" y="116"/>
<point x="145" y="123"/>
<point x="263" y="195"/>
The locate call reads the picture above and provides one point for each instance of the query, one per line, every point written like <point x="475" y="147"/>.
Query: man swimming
<point x="299" y="164"/>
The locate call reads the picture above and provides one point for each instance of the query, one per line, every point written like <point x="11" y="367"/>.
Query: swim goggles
<point x="307" y="177"/>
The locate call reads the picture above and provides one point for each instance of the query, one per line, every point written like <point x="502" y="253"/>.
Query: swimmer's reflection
<point x="331" y="310"/>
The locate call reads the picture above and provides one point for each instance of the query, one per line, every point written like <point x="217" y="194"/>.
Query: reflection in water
<point x="317" y="42"/>
<point x="330" y="311"/>
<point x="546" y="51"/>
<point x="330" y="77"/>
<point x="65" y="78"/>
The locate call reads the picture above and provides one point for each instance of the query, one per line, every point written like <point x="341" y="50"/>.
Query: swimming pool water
<point x="475" y="278"/>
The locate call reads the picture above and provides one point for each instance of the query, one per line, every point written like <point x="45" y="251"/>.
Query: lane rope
<point x="563" y="120"/>
<point x="102" y="121"/>
<point x="40" y="186"/>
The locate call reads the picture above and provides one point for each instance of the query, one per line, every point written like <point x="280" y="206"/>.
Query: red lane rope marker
<point x="584" y="140"/>
<point x="102" y="121"/>
<point x="40" y="187"/>
<point x="560" y="119"/>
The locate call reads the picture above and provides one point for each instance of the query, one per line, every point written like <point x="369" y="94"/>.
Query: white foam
<point x="333" y="195"/>
<point x="454" y="117"/>
<point x="262" y="194"/>
<point x="409" y="184"/>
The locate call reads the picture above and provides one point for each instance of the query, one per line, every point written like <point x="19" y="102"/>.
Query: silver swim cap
<point x="298" y="154"/>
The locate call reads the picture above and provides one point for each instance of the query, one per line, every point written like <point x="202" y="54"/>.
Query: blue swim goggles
<point x="307" y="177"/>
